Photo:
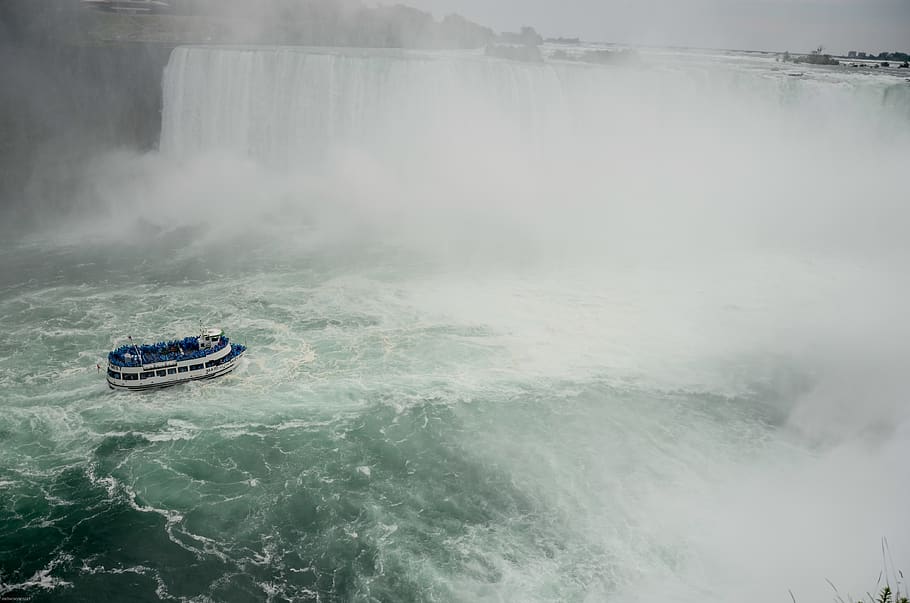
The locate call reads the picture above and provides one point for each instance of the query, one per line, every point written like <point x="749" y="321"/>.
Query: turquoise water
<point x="517" y="333"/>
<point x="366" y="448"/>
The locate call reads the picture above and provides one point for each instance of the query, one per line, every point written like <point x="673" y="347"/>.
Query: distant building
<point x="851" y="54"/>
<point x="129" y="6"/>
<point x="862" y="55"/>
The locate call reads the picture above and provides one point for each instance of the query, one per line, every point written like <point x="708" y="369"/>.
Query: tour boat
<point x="140" y="367"/>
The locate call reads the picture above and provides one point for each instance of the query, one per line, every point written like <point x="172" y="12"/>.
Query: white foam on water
<point x="42" y="579"/>
<point x="661" y="306"/>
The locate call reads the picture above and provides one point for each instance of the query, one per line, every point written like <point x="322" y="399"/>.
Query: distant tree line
<point x="303" y="22"/>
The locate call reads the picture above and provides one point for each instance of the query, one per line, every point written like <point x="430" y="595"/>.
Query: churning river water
<point x="516" y="333"/>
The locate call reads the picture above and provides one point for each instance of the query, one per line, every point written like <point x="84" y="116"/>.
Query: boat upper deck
<point x="188" y="348"/>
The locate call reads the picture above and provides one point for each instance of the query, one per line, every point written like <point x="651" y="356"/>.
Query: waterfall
<point x="282" y="105"/>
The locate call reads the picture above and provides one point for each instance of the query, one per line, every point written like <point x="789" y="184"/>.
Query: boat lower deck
<point x="225" y="369"/>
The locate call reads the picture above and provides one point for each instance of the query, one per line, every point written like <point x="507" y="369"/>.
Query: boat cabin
<point x="210" y="338"/>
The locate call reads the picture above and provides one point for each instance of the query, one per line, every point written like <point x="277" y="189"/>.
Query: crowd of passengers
<point x="236" y="350"/>
<point x="179" y="349"/>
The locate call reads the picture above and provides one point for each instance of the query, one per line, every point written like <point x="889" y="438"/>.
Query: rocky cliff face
<point x="63" y="99"/>
<point x="63" y="104"/>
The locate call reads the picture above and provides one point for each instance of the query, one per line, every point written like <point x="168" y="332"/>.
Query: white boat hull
<point x="167" y="374"/>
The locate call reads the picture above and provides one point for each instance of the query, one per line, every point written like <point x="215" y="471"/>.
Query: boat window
<point x="162" y="373"/>
<point x="196" y="367"/>
<point x="182" y="369"/>
<point x="147" y="375"/>
<point x="112" y="374"/>
<point x="172" y="371"/>
<point x="130" y="376"/>
<point x="210" y="364"/>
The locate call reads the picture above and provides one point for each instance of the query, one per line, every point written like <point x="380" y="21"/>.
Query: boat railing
<point x="117" y="358"/>
<point x="159" y="365"/>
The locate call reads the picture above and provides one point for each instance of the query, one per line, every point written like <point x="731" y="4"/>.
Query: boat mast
<point x="136" y="347"/>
